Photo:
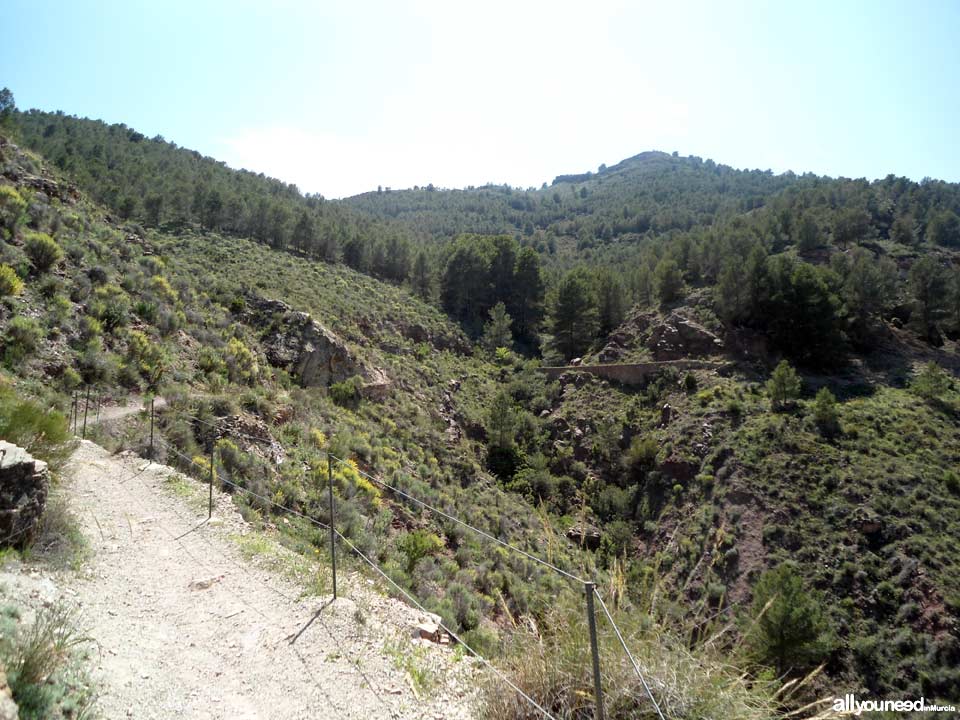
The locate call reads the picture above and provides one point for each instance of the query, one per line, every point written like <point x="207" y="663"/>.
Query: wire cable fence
<point x="589" y="586"/>
<point x="633" y="662"/>
<point x="362" y="556"/>
<point x="458" y="521"/>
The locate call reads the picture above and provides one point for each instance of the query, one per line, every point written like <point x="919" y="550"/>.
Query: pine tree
<point x="668" y="281"/>
<point x="303" y="233"/>
<point x="526" y="303"/>
<point x="825" y="412"/>
<point x="731" y="291"/>
<point x="496" y="333"/>
<point x="869" y="287"/>
<point x="421" y="276"/>
<point x="783" y="386"/>
<point x="807" y="234"/>
<point x="610" y="301"/>
<point x="928" y="285"/>
<point x="573" y="318"/>
<point x="791" y="631"/>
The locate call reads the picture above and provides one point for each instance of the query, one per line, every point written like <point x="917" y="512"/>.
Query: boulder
<point x="24" y="483"/>
<point x="314" y="355"/>
<point x="585" y="535"/>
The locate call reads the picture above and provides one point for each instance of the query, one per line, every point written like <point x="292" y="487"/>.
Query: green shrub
<point x="41" y="431"/>
<point x="22" y="338"/>
<point x="503" y="461"/>
<point x="952" y="481"/>
<point x="641" y="456"/>
<point x="43" y="664"/>
<point x="10" y="282"/>
<point x="825" y="412"/>
<point x="347" y="393"/>
<point x="111" y="307"/>
<point x="417" y="545"/>
<point x="12" y="208"/>
<point x="43" y="251"/>
<point x="240" y="361"/>
<point x="783" y="386"/>
<point x="552" y="664"/>
<point x="931" y="383"/>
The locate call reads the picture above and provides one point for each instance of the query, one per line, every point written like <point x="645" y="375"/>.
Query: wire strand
<point x="232" y="433"/>
<point x="457" y="520"/>
<point x="249" y="492"/>
<point x="405" y="593"/>
<point x="275" y="504"/>
<point x="629" y="654"/>
<point x="452" y="634"/>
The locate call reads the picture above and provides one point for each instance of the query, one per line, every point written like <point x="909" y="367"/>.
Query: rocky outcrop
<point x="314" y="355"/>
<point x="629" y="335"/>
<point x="40" y="184"/>
<point x="453" y="340"/>
<point x="251" y="435"/>
<point x="679" y="337"/>
<point x="24" y="483"/>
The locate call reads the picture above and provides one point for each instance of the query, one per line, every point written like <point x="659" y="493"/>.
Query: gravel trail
<point x="188" y="626"/>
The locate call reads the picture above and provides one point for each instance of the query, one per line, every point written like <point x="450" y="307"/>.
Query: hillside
<point x="683" y="490"/>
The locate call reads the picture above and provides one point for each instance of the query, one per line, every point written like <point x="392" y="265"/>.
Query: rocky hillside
<point x="662" y="460"/>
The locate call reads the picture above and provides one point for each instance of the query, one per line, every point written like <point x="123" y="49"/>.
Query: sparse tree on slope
<point x="791" y="630"/>
<point x="783" y="385"/>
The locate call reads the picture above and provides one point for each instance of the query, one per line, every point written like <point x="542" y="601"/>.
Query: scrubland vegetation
<point x="768" y="527"/>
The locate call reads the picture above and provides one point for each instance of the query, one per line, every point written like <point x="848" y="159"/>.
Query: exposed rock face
<point x="455" y="341"/>
<point x="24" y="483"/>
<point x="679" y="337"/>
<point x="297" y="343"/>
<point x="251" y="435"/>
<point x="45" y="185"/>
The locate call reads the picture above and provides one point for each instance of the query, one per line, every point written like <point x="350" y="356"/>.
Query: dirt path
<point x="116" y="412"/>
<point x="188" y="627"/>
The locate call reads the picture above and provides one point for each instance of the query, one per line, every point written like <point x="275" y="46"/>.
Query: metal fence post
<point x="212" y="472"/>
<point x="589" y="588"/>
<point x="333" y="546"/>
<point x="152" y="451"/>
<point x="86" y="404"/>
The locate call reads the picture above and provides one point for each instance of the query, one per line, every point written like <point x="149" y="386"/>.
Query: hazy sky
<point x="342" y="97"/>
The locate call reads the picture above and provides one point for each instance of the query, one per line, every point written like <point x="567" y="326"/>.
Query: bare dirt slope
<point x="188" y="626"/>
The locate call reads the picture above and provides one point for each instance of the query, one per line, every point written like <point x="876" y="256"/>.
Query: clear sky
<point x="341" y="97"/>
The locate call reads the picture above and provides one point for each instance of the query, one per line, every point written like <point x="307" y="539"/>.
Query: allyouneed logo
<point x="849" y="705"/>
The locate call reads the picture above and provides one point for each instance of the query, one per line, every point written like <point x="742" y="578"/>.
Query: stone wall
<point x="631" y="373"/>
<point x="24" y="483"/>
